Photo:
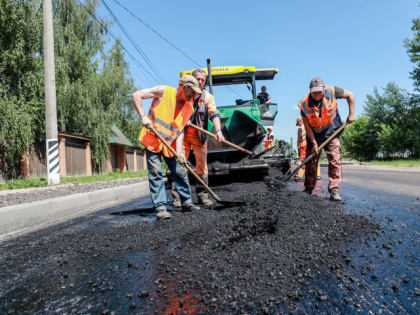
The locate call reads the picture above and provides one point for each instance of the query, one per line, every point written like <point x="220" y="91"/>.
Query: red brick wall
<point x="121" y="164"/>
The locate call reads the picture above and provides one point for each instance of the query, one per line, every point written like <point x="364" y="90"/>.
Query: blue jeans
<point x="156" y="184"/>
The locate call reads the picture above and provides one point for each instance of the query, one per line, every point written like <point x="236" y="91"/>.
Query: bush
<point x="359" y="140"/>
<point x="16" y="134"/>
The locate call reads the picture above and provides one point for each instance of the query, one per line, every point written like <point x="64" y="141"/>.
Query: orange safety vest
<point x="302" y="140"/>
<point x="165" y="123"/>
<point x="320" y="119"/>
<point x="270" y="140"/>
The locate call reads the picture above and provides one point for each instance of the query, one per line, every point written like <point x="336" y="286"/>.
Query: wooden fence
<point x="75" y="157"/>
<point x="37" y="161"/>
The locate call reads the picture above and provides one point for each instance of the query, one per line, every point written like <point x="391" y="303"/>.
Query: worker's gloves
<point x="181" y="159"/>
<point x="147" y="122"/>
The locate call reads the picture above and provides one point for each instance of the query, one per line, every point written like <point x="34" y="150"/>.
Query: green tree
<point x="359" y="140"/>
<point x="394" y="119"/>
<point x="413" y="49"/>
<point x="21" y="81"/>
<point x="93" y="85"/>
<point x="116" y="87"/>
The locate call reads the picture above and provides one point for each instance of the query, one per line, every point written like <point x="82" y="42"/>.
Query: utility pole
<point x="209" y="77"/>
<point x="53" y="167"/>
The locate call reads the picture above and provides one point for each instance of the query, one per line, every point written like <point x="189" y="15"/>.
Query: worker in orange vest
<point x="302" y="145"/>
<point x="169" y="113"/>
<point x="270" y="140"/>
<point x="321" y="119"/>
<point x="204" y="110"/>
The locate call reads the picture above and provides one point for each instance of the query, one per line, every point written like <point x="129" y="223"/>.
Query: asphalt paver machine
<point x="244" y="123"/>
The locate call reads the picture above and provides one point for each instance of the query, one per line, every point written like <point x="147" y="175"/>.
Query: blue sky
<point x="356" y="45"/>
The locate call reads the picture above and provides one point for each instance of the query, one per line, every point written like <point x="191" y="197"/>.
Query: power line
<point x="157" y="33"/>
<point x="136" y="62"/>
<point x="137" y="47"/>
<point x="102" y="24"/>
<point x="166" y="40"/>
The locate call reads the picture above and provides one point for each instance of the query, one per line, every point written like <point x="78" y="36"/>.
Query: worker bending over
<point x="169" y="113"/>
<point x="321" y="119"/>
<point x="204" y="109"/>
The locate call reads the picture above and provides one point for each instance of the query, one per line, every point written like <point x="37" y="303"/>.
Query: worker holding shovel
<point x="321" y="120"/>
<point x="169" y="113"/>
<point x="302" y="144"/>
<point x="204" y="110"/>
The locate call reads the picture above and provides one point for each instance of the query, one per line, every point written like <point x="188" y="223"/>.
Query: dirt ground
<point x="281" y="251"/>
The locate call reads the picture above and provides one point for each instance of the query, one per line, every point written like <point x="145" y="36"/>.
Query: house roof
<point x="117" y="137"/>
<point x="72" y="135"/>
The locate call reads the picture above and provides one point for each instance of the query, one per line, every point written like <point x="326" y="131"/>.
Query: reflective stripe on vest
<point x="320" y="119"/>
<point x="269" y="141"/>
<point x="164" y="122"/>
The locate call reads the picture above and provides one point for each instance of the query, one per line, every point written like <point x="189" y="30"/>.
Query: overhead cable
<point x="102" y="24"/>
<point x="153" y="68"/>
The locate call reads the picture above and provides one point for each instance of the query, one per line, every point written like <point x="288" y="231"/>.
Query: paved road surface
<point x="392" y="198"/>
<point x="383" y="276"/>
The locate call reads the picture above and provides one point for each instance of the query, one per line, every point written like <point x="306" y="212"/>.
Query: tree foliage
<point x="359" y="141"/>
<point x="391" y="123"/>
<point x="413" y="49"/>
<point x="390" y="126"/>
<point x="93" y="85"/>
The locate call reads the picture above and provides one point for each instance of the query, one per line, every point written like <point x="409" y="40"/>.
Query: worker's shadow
<point x="144" y="212"/>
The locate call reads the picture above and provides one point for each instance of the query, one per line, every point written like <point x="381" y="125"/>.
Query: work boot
<point x="335" y="195"/>
<point x="204" y="200"/>
<point x="202" y="195"/>
<point x="190" y="207"/>
<point x="308" y="191"/>
<point x="163" y="214"/>
<point x="177" y="203"/>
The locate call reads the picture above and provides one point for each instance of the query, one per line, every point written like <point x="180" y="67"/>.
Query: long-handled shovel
<point x="315" y="153"/>
<point x="198" y="178"/>
<point x="251" y="154"/>
<point x="254" y="156"/>
<point x="237" y="147"/>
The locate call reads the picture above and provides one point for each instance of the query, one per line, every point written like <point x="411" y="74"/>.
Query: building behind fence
<point x="76" y="159"/>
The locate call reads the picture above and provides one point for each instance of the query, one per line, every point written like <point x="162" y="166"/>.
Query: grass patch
<point x="397" y="162"/>
<point x="42" y="182"/>
<point x="24" y="183"/>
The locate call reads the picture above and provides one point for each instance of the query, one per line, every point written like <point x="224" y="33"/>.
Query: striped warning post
<point x="53" y="166"/>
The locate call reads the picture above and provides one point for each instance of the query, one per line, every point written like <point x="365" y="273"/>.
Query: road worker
<point x="301" y="147"/>
<point x="204" y="110"/>
<point x="169" y="113"/>
<point x="264" y="97"/>
<point x="321" y="119"/>
<point x="302" y="144"/>
<point x="269" y="140"/>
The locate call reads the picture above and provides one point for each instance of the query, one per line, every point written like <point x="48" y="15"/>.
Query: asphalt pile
<point x="258" y="257"/>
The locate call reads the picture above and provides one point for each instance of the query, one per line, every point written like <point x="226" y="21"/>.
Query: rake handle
<point x="198" y="178"/>
<point x="254" y="156"/>
<point x="222" y="140"/>
<point x="315" y="153"/>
